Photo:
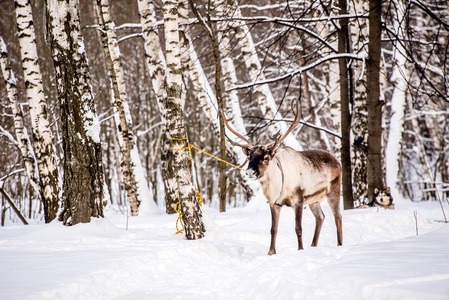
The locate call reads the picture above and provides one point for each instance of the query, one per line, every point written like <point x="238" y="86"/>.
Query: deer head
<point x="259" y="156"/>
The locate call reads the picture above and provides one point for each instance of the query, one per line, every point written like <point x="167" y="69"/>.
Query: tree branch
<point x="300" y="70"/>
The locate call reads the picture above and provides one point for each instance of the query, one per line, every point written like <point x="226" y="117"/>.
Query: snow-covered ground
<point x="382" y="258"/>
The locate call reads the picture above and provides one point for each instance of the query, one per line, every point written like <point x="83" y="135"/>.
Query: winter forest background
<point x="104" y="102"/>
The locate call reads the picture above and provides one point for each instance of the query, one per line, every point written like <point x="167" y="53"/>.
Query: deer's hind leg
<point x="333" y="197"/>
<point x="319" y="219"/>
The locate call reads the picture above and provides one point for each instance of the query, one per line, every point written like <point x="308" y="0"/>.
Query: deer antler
<point x="276" y="136"/>
<point x="295" y="123"/>
<point x="249" y="145"/>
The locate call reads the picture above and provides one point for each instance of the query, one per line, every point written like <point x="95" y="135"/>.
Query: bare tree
<point x="343" y="46"/>
<point x="83" y="184"/>
<point x="359" y="41"/>
<point x="22" y="136"/>
<point x="42" y="135"/>
<point x="375" y="174"/>
<point x="398" y="102"/>
<point x="190" y="207"/>
<point x="211" y="32"/>
<point x="156" y="67"/>
<point x="133" y="173"/>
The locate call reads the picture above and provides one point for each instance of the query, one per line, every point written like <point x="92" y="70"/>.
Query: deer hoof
<point x="271" y="252"/>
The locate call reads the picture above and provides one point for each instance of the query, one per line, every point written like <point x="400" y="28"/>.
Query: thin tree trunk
<point x="133" y="174"/>
<point x="22" y="136"/>
<point x="156" y="68"/>
<point x="209" y="28"/>
<point x="42" y="137"/>
<point x="375" y="174"/>
<point x="398" y="104"/>
<point x="190" y="207"/>
<point x="83" y="183"/>
<point x="358" y="41"/>
<point x="13" y="206"/>
<point x="343" y="35"/>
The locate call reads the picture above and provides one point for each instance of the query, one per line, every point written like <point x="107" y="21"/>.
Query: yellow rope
<point x="191" y="146"/>
<point x="179" y="220"/>
<point x="200" y="199"/>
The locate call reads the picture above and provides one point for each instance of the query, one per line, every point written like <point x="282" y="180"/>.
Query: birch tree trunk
<point x="83" y="185"/>
<point x="133" y="174"/>
<point x="190" y="208"/>
<point x="156" y="68"/>
<point x="42" y="136"/>
<point x="23" y="139"/>
<point x="398" y="104"/>
<point x="359" y="42"/>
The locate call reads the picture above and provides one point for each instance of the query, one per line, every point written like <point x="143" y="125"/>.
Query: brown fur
<point x="309" y="176"/>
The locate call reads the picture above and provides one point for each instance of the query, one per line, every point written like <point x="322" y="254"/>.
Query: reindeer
<point x="294" y="178"/>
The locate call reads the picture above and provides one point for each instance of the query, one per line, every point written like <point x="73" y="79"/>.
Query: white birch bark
<point x="22" y="136"/>
<point x="398" y="104"/>
<point x="190" y="208"/>
<point x="359" y="36"/>
<point x="156" y="67"/>
<point x="42" y="136"/>
<point x="333" y="90"/>
<point x="83" y="185"/>
<point x="132" y="169"/>
<point x="262" y="92"/>
<point x="153" y="53"/>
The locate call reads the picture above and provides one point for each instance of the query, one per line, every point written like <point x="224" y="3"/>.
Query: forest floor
<point x="382" y="257"/>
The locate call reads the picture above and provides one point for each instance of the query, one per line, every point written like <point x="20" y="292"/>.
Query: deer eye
<point x="266" y="158"/>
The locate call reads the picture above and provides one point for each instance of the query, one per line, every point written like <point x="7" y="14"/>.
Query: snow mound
<point x="143" y="258"/>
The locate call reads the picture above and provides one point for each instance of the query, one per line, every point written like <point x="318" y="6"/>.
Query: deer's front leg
<point x="275" y="212"/>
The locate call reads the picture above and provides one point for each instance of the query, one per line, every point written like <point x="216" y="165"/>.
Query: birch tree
<point x="133" y="173"/>
<point x="22" y="136"/>
<point x="83" y="185"/>
<point x="359" y="42"/>
<point x="190" y="207"/>
<point x="398" y="102"/>
<point x="156" y="67"/>
<point x="42" y="135"/>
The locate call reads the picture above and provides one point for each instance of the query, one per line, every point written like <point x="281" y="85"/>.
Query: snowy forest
<point x="122" y="124"/>
<point x="99" y="98"/>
